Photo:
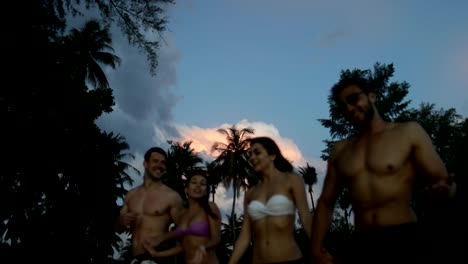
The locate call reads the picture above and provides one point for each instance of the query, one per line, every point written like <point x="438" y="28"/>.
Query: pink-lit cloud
<point x="204" y="138"/>
<point x="202" y="141"/>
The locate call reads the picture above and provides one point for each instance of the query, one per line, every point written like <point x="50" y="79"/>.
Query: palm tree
<point x="309" y="174"/>
<point x="118" y="148"/>
<point x="213" y="170"/>
<point x="344" y="202"/>
<point x="109" y="157"/>
<point x="233" y="161"/>
<point x="181" y="158"/>
<point x="233" y="225"/>
<point x="89" y="48"/>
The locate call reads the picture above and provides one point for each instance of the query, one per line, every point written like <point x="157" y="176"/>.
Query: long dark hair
<point x="204" y="201"/>
<point x="280" y="162"/>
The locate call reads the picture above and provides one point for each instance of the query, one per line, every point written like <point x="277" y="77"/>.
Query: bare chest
<point x="149" y="203"/>
<point x="381" y="155"/>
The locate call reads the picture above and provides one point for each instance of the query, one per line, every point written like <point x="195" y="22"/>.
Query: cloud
<point x="144" y="103"/>
<point x="224" y="199"/>
<point x="203" y="138"/>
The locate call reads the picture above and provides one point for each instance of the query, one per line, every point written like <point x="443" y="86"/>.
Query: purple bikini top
<point x="199" y="228"/>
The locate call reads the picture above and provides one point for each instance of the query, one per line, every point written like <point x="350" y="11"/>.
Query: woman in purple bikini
<point x="198" y="226"/>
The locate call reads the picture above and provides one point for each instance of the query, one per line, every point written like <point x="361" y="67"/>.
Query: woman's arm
<point x="155" y="241"/>
<point x="215" y="227"/>
<point x="165" y="253"/>
<point x="243" y="240"/>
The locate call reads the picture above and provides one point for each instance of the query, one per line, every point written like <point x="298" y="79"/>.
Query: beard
<point x="155" y="177"/>
<point x="369" y="113"/>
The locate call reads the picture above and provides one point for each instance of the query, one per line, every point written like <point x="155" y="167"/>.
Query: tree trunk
<point x="346" y="215"/>
<point x="312" y="199"/>
<point x="233" y="216"/>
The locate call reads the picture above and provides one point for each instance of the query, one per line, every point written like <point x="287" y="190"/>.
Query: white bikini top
<point x="278" y="204"/>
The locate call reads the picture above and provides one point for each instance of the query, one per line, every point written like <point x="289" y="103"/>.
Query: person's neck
<point x="269" y="173"/>
<point x="376" y="125"/>
<point x="194" y="205"/>
<point x="150" y="183"/>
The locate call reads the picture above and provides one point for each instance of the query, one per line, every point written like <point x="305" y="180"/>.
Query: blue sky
<point x="274" y="61"/>
<point x="270" y="65"/>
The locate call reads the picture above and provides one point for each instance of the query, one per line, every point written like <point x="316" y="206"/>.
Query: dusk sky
<point x="270" y="64"/>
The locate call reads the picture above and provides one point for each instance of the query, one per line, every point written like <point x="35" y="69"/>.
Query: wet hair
<point x="280" y="162"/>
<point x="204" y="201"/>
<point x="154" y="149"/>
<point x="347" y="81"/>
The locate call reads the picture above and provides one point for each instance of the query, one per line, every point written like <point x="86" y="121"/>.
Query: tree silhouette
<point x="215" y="177"/>
<point x="233" y="161"/>
<point x="390" y="101"/>
<point x="181" y="159"/>
<point x="309" y="174"/>
<point x="89" y="47"/>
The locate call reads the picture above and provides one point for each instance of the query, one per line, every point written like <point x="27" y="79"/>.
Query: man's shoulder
<point x="342" y="142"/>
<point x="171" y="194"/>
<point x="338" y="147"/>
<point x="134" y="190"/>
<point x="168" y="190"/>
<point x="409" y="128"/>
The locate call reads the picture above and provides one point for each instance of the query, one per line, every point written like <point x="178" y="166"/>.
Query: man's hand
<point x="128" y="219"/>
<point x="441" y="190"/>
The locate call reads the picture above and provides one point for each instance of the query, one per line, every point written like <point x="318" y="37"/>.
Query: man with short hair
<point x="149" y="209"/>
<point x="379" y="166"/>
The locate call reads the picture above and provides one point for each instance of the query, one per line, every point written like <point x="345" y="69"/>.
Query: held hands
<point x="150" y="244"/>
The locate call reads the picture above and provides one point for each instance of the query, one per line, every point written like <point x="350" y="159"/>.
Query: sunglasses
<point x="350" y="99"/>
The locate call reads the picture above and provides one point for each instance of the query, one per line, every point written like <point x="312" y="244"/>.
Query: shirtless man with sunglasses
<point x="379" y="165"/>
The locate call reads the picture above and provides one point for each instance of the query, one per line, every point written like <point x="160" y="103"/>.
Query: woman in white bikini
<point x="270" y="208"/>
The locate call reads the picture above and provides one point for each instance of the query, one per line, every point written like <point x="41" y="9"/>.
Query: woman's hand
<point x="151" y="243"/>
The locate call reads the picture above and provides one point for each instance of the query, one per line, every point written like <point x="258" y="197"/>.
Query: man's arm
<point x="429" y="163"/>
<point x="118" y="227"/>
<point x="300" y="197"/>
<point x="125" y="220"/>
<point x="177" y="207"/>
<point x="326" y="203"/>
